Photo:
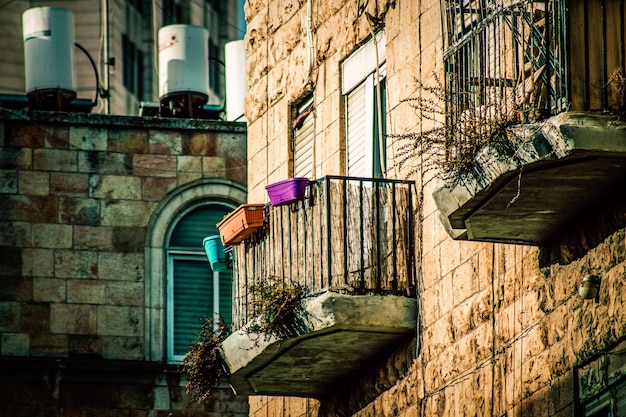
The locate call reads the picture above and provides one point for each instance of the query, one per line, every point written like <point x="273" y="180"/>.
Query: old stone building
<point x="459" y="294"/>
<point x="104" y="280"/>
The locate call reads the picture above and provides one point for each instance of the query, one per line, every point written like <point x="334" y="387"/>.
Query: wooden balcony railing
<point x="351" y="233"/>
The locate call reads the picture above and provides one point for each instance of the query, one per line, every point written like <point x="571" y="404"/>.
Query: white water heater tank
<point x="48" y="34"/>
<point x="236" y="82"/>
<point x="184" y="62"/>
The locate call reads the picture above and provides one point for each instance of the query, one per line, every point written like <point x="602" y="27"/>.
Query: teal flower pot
<point x="215" y="253"/>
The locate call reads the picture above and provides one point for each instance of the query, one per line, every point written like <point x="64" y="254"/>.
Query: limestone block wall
<point x="498" y="335"/>
<point x="77" y="194"/>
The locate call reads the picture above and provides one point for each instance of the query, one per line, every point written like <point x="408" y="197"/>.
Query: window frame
<point x="598" y="406"/>
<point x="303" y="140"/>
<point x="132" y="67"/>
<point x="359" y="71"/>
<point x="191" y="254"/>
<point x="602" y="392"/>
<point x="370" y="138"/>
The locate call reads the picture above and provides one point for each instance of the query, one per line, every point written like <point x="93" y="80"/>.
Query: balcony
<point x="350" y="242"/>
<point x="535" y="151"/>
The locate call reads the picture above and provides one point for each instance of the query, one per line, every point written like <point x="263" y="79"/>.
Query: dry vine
<point x="281" y="313"/>
<point x="279" y="307"/>
<point x="449" y="147"/>
<point x="203" y="362"/>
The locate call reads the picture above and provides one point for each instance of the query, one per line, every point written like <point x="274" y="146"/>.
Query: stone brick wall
<point x="77" y="194"/>
<point x="498" y="334"/>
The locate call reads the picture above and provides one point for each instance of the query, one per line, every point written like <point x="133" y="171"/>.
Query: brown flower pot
<point x="240" y="223"/>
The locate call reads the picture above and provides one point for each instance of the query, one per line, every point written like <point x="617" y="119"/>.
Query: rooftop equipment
<point x="183" y="70"/>
<point x="236" y="83"/>
<point x="48" y="34"/>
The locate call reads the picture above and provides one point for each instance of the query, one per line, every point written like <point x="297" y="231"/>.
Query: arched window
<point x="194" y="291"/>
<point x="181" y="288"/>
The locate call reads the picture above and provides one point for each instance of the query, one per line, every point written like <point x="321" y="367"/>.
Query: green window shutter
<point x="380" y="142"/>
<point x="620" y="399"/>
<point x="192" y="300"/>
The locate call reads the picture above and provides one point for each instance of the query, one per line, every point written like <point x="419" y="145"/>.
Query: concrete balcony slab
<point x="343" y="334"/>
<point x="561" y="172"/>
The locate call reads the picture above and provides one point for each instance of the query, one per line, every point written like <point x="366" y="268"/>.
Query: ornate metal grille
<point x="504" y="64"/>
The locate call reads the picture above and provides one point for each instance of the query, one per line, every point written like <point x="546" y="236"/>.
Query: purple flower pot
<point x="287" y="191"/>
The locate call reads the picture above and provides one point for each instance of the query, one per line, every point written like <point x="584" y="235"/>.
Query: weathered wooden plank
<point x="577" y="55"/>
<point x="597" y="77"/>
<point x="614" y="52"/>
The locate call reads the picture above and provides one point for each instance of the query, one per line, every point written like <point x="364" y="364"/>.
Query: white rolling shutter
<point x="304" y="139"/>
<point x="359" y="131"/>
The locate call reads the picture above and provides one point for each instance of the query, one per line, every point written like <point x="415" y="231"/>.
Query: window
<point x="132" y="67"/>
<point x="174" y="250"/>
<point x="365" y="112"/>
<point x="303" y="140"/>
<point x="215" y="68"/>
<point x="137" y="4"/>
<point x="609" y="403"/>
<point x="600" y="407"/>
<point x="194" y="291"/>
<point x="216" y="5"/>
<point x="171" y="12"/>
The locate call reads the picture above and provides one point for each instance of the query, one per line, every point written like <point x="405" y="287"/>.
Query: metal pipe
<point x="329" y="255"/>
<point x="361" y="235"/>
<point x="410" y="241"/>
<point x="309" y="39"/>
<point x="376" y="197"/>
<point x="282" y="242"/>
<point x="107" y="53"/>
<point x="345" y="231"/>
<point x="393" y="234"/>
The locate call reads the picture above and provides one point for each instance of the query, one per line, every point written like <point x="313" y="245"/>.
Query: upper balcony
<point x="350" y="242"/>
<point x="535" y="147"/>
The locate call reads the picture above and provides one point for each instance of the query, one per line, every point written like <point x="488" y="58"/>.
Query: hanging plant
<point x="203" y="362"/>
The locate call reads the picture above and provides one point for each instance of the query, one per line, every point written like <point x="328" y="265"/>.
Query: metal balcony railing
<point x="352" y="233"/>
<point x="518" y="61"/>
<point x="505" y="62"/>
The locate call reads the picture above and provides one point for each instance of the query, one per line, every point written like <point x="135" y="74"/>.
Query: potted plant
<point x="217" y="256"/>
<point x="287" y="191"/>
<point x="240" y="223"/>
